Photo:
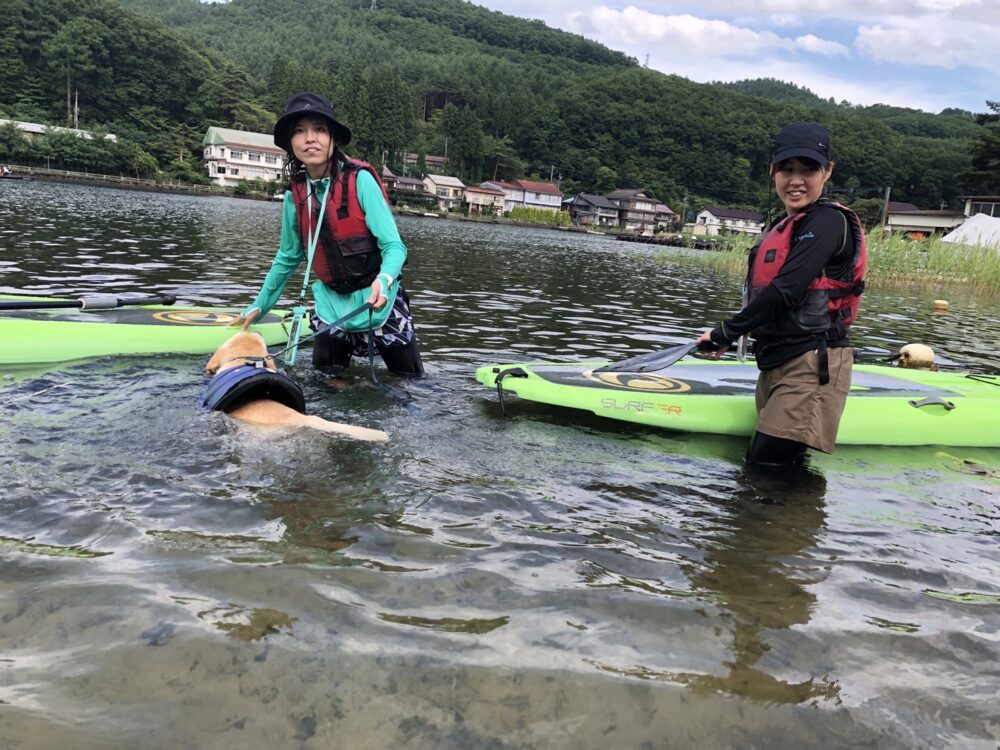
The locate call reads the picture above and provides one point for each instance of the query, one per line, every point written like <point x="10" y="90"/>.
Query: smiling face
<point x="312" y="143"/>
<point x="799" y="182"/>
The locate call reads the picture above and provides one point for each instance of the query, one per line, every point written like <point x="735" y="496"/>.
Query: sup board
<point x="30" y="337"/>
<point x="886" y="405"/>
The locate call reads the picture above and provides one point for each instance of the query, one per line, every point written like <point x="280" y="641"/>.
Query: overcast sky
<point x="926" y="54"/>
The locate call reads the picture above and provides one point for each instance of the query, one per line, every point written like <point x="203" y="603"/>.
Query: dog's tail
<point x="358" y="433"/>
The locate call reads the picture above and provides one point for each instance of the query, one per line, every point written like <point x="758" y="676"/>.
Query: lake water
<point x="544" y="581"/>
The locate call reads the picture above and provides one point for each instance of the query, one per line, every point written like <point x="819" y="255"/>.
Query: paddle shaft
<point x="106" y="302"/>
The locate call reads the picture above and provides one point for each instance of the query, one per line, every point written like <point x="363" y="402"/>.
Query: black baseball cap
<point x="802" y="139"/>
<point x="303" y="104"/>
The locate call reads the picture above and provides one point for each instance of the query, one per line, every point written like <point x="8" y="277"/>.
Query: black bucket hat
<point x="308" y="104"/>
<point x="802" y="139"/>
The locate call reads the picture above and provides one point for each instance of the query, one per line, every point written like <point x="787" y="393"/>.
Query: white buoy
<point x="916" y="356"/>
<point x="940" y="305"/>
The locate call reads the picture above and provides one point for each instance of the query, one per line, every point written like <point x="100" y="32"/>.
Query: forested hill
<point x="509" y="97"/>
<point x="950" y="123"/>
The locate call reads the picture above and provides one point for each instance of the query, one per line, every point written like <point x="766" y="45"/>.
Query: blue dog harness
<point x="235" y="386"/>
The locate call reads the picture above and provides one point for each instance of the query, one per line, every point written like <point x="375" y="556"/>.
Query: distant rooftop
<point x="734" y="213"/>
<point x="216" y="136"/>
<point x="446" y="180"/>
<point x="38" y="129"/>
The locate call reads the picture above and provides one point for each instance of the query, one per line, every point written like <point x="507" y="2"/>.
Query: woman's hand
<point x="377" y="298"/>
<point x="706" y="345"/>
<point x="246" y="320"/>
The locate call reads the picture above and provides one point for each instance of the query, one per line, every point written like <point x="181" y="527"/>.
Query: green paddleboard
<point x="886" y="406"/>
<point x="30" y="337"/>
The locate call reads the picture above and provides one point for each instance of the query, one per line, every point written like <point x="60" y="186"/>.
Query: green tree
<point x="605" y="180"/>
<point x="77" y="50"/>
<point x="463" y="136"/>
<point x="985" y="174"/>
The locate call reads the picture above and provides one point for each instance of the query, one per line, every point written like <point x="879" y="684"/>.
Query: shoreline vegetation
<point x="893" y="261"/>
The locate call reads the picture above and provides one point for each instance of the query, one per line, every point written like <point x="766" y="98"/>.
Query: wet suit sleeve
<point x="382" y="224"/>
<point x="290" y="255"/>
<point x="820" y="237"/>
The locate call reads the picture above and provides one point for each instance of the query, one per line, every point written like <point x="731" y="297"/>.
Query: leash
<point x="299" y="311"/>
<point x="353" y="313"/>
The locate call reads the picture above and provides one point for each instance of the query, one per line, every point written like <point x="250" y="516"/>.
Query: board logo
<point x="646" y="382"/>
<point x="196" y="317"/>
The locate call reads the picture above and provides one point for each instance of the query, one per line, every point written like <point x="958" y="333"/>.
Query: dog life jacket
<point x="237" y="385"/>
<point x="347" y="256"/>
<point x="830" y="305"/>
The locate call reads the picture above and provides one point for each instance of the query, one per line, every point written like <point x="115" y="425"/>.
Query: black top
<point x="819" y="244"/>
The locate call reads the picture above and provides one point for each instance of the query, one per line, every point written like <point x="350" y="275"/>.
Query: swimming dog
<point x="248" y="387"/>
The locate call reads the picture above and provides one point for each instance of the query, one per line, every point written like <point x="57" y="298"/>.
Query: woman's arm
<point x="382" y="224"/>
<point x="290" y="255"/>
<point x="819" y="237"/>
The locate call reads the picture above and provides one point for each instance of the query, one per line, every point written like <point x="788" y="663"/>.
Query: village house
<point x="448" y="190"/>
<point x="591" y="210"/>
<point x="434" y="164"/>
<point x="665" y="217"/>
<point x="714" y="220"/>
<point x="484" y="200"/>
<point x="981" y="204"/>
<point x="541" y="195"/>
<point x="919" y="223"/>
<point x="636" y="209"/>
<point x="231" y="156"/>
<point x="513" y="193"/>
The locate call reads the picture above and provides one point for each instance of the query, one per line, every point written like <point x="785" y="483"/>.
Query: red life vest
<point x="830" y="304"/>
<point x="347" y="256"/>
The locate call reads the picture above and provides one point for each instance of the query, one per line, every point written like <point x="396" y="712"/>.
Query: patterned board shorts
<point x="397" y="330"/>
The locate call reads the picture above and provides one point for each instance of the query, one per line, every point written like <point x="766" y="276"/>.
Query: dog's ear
<point x="215" y="361"/>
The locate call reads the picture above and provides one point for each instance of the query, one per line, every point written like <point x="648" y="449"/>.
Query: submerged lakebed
<point x="549" y="580"/>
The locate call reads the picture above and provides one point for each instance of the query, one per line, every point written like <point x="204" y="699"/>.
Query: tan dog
<point x="247" y="347"/>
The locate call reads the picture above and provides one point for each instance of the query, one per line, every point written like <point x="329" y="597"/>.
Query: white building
<point x="484" y="200"/>
<point x="234" y="155"/>
<point x="716" y="219"/>
<point x="542" y="195"/>
<point x="513" y="193"/>
<point x="448" y="190"/>
<point x="32" y="129"/>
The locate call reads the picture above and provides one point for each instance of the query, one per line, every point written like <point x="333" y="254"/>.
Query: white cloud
<point x="901" y="52"/>
<point x="814" y="44"/>
<point x="929" y="41"/>
<point x="690" y="35"/>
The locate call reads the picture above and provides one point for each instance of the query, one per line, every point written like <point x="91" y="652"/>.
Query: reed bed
<point x="892" y="261"/>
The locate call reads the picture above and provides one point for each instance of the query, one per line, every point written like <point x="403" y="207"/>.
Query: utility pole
<point x="76" y="109"/>
<point x="684" y="206"/>
<point x="885" y="208"/>
<point x="552" y="170"/>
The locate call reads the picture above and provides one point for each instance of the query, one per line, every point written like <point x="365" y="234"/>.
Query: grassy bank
<point x="892" y="261"/>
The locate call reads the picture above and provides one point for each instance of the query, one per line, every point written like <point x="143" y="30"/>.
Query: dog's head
<point x="239" y="349"/>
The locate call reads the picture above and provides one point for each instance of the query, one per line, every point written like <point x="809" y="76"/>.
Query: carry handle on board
<point x="97" y="302"/>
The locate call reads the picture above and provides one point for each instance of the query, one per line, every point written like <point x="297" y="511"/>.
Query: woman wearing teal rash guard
<point x="336" y="213"/>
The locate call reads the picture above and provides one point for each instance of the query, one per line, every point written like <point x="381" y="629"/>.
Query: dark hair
<point x="295" y="171"/>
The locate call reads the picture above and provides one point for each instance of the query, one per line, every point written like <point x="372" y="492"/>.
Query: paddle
<point x="103" y="302"/>
<point x="653" y="361"/>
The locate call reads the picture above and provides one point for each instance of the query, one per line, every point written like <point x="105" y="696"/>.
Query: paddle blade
<point x="652" y="361"/>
